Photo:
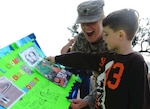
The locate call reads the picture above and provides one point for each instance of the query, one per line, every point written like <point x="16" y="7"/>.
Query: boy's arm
<point x="83" y="61"/>
<point x="80" y="60"/>
<point x="138" y="86"/>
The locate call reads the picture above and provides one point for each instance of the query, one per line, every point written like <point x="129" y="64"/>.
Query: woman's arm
<point x="67" y="47"/>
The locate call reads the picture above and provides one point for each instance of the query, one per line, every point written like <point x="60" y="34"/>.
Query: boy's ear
<point x="122" y="34"/>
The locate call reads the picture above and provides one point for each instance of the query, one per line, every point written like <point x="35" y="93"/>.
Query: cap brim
<point x="88" y="19"/>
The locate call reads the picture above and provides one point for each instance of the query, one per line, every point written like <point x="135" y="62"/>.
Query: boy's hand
<point x="50" y="58"/>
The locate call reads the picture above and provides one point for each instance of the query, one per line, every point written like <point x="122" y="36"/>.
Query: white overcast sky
<point x="49" y="19"/>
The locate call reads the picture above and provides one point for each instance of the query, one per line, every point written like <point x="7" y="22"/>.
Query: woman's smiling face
<point x="93" y="31"/>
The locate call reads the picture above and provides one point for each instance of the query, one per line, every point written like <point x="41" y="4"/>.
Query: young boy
<point x="125" y="71"/>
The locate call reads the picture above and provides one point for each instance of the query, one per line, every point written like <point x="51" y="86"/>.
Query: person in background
<point x="125" y="70"/>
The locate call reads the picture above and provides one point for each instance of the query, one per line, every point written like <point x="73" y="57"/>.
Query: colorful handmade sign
<point x="27" y="81"/>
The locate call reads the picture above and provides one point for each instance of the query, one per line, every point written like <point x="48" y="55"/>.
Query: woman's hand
<point x="78" y="104"/>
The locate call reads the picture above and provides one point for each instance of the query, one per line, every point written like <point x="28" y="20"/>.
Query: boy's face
<point x="111" y="38"/>
<point x="93" y="31"/>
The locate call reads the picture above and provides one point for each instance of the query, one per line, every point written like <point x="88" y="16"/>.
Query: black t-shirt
<point x="126" y="82"/>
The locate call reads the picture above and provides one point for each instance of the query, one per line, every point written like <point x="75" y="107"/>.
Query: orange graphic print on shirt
<point x="113" y="71"/>
<point x="100" y="95"/>
<point x="116" y="75"/>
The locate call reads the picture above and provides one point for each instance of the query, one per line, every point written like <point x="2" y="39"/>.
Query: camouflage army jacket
<point x="83" y="45"/>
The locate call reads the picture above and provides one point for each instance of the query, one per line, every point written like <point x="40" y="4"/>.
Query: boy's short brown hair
<point x="124" y="19"/>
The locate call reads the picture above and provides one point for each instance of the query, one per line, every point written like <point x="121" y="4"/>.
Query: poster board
<point x="28" y="87"/>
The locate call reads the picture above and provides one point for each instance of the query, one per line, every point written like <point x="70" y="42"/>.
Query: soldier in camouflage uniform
<point x="90" y="16"/>
<point x="82" y="44"/>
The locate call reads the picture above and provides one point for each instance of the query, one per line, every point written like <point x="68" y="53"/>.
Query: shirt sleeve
<point x="80" y="60"/>
<point x="138" y="86"/>
<point x="90" y="98"/>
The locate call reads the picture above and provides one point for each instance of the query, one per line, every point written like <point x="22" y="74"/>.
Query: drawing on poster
<point x="9" y="93"/>
<point x="30" y="56"/>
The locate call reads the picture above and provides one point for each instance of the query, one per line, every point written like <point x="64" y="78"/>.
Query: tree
<point x="74" y="29"/>
<point x="142" y="38"/>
